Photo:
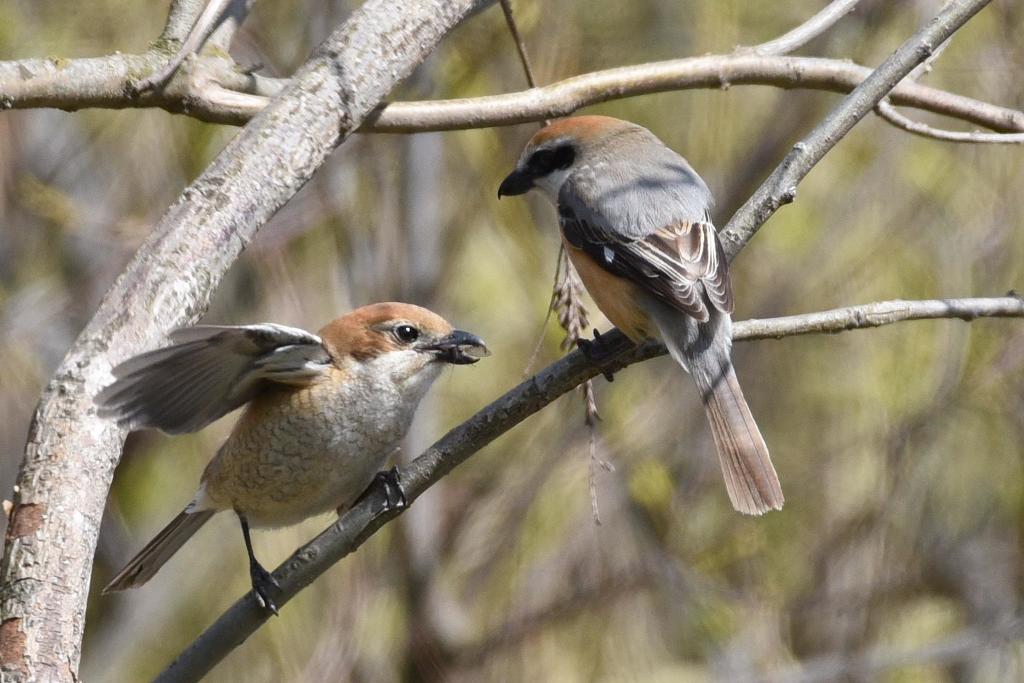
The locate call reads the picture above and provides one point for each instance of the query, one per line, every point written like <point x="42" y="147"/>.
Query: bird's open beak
<point x="517" y="182"/>
<point x="460" y="348"/>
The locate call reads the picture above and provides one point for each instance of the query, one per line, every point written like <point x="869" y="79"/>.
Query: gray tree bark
<point x="217" y="93"/>
<point x="71" y="454"/>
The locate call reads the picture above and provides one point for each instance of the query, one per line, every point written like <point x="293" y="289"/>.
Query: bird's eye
<point x="407" y="334"/>
<point x="544" y="161"/>
<point x="540" y="160"/>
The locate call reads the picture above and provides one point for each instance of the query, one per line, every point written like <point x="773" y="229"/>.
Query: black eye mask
<point x="544" y="161"/>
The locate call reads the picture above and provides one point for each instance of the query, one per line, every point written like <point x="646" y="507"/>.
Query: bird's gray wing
<point x="207" y="372"/>
<point x="680" y="263"/>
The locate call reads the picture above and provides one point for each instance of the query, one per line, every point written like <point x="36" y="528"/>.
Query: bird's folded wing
<point x="207" y="372"/>
<point x="679" y="263"/>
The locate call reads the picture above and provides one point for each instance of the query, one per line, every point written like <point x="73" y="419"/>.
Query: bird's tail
<point x="143" y="566"/>
<point x="750" y="478"/>
<point x="704" y="351"/>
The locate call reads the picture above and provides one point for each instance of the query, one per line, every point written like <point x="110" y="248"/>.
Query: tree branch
<point x="71" y="453"/>
<point x="362" y="520"/>
<point x="904" y="123"/>
<point x="716" y="71"/>
<point x="513" y="29"/>
<point x="780" y="187"/>
<point x="181" y="16"/>
<point x="204" y="25"/>
<point x="73" y="84"/>
<point x="807" y="31"/>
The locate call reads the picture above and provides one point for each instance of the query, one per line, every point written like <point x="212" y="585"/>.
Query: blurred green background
<point x="899" y="448"/>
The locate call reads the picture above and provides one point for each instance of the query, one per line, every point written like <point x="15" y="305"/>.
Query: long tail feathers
<point x="704" y="351"/>
<point x="143" y="566"/>
<point x="750" y="477"/>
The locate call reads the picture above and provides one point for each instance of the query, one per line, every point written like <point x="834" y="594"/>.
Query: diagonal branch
<point x="780" y="187"/>
<point x="807" y="31"/>
<point x="361" y="521"/>
<point x="71" y="453"/>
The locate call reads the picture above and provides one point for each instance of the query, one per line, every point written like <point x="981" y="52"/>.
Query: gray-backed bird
<point x="635" y="222"/>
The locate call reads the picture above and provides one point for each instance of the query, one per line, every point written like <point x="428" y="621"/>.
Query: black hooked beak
<point x="460" y="348"/>
<point x="517" y="182"/>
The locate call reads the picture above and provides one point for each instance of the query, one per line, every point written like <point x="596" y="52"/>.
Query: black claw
<point x="394" y="493"/>
<point x="596" y="352"/>
<point x="263" y="586"/>
<point x="263" y="582"/>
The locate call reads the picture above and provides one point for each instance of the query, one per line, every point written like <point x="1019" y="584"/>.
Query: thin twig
<point x="780" y="187"/>
<point x="556" y="300"/>
<point x="524" y="59"/>
<point x="807" y="31"/>
<point x="890" y="114"/>
<point x="506" y="7"/>
<point x="547" y="316"/>
<point x="540" y="340"/>
<point x="363" y="519"/>
<point x="878" y="314"/>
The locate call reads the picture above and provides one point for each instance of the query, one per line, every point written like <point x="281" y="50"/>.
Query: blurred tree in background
<point x="900" y="552"/>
